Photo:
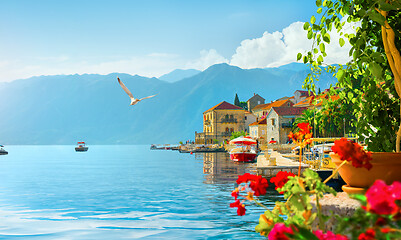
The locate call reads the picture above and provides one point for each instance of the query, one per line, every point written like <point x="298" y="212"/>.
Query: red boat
<point x="244" y="150"/>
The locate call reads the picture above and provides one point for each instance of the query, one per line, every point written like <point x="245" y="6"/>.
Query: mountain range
<point x="64" y="109"/>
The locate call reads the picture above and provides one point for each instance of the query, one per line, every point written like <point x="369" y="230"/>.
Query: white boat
<point x="244" y="150"/>
<point x="2" y="151"/>
<point x="81" y="147"/>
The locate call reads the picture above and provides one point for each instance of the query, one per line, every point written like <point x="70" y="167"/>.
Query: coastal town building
<point x="249" y="118"/>
<point x="219" y="122"/>
<point x="300" y="95"/>
<point x="257" y="130"/>
<point x="254" y="101"/>
<point x="279" y="121"/>
<point x="262" y="109"/>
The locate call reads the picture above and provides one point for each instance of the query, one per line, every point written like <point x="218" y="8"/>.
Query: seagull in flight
<point x="133" y="100"/>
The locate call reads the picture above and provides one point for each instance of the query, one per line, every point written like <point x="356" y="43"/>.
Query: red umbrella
<point x="243" y="140"/>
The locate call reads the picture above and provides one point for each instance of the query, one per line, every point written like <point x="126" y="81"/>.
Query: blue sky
<point x="148" y="38"/>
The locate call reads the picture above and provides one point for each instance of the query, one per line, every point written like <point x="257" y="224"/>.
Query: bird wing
<point x="147" y="97"/>
<point x="125" y="88"/>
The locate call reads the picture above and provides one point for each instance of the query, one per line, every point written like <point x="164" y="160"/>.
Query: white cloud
<point x="207" y="58"/>
<point x="280" y="48"/>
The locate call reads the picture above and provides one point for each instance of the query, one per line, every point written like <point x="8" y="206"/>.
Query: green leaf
<point x="299" y="56"/>
<point x="326" y="37"/>
<point x="341" y="41"/>
<point x="312" y="20"/>
<point x="310" y="34"/>
<point x="375" y="69"/>
<point x="350" y="95"/>
<point x="306" y="26"/>
<point x="320" y="59"/>
<point x="305" y="59"/>
<point x="386" y="7"/>
<point x="318" y="3"/>
<point x="322" y="47"/>
<point x="377" y="17"/>
<point x="319" y="10"/>
<point x="340" y="75"/>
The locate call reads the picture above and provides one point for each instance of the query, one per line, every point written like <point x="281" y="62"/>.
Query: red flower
<point x="381" y="221"/>
<point x="257" y="183"/>
<point x="329" y="235"/>
<point x="386" y="230"/>
<point x="352" y="152"/>
<point x="281" y="179"/>
<point x="368" y="235"/>
<point x="245" y="178"/>
<point x="381" y="198"/>
<point x="241" y="207"/>
<point x="278" y="232"/>
<point x="304" y="127"/>
<point x="235" y="194"/>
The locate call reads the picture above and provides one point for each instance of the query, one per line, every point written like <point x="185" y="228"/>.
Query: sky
<point x="150" y="37"/>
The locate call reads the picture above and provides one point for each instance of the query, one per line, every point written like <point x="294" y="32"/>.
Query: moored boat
<point x="244" y="150"/>
<point x="81" y="147"/>
<point x="2" y="150"/>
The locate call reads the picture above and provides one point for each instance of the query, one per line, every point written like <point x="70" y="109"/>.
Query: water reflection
<point x="218" y="168"/>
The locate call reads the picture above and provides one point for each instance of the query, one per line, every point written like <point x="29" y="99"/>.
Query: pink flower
<point x="381" y="198"/>
<point x="278" y="232"/>
<point x="329" y="235"/>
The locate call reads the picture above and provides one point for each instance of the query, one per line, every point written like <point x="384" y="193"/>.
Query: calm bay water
<point x="121" y="192"/>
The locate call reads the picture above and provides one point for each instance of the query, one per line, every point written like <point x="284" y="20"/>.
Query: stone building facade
<point x="219" y="122"/>
<point x="254" y="101"/>
<point x="279" y="123"/>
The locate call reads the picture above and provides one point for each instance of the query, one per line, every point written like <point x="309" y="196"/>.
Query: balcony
<point x="207" y="122"/>
<point x="287" y="125"/>
<point x="226" y="134"/>
<point x="228" y="120"/>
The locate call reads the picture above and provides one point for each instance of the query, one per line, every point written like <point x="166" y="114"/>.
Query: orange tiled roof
<point x="307" y="101"/>
<point x="333" y="98"/>
<point x="260" y="122"/>
<point x="288" y="111"/>
<point x="279" y="103"/>
<point x="224" y="106"/>
<point x="260" y="106"/>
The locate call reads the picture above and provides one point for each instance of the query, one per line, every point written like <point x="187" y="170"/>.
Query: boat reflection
<point x="218" y="168"/>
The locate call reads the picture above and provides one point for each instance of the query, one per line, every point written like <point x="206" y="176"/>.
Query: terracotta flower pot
<point x="386" y="166"/>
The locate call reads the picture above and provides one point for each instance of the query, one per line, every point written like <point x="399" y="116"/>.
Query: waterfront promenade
<point x="270" y="162"/>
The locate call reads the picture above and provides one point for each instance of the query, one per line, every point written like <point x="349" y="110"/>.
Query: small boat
<point x="244" y="150"/>
<point x="81" y="147"/>
<point x="2" y="151"/>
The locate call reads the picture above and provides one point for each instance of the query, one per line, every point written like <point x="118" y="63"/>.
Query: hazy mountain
<point x="94" y="108"/>
<point x="178" y="75"/>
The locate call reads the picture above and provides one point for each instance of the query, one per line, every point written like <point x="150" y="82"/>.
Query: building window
<point x="258" y="102"/>
<point x="245" y="117"/>
<point x="232" y="130"/>
<point x="273" y="122"/>
<point x="227" y="130"/>
<point x="263" y="132"/>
